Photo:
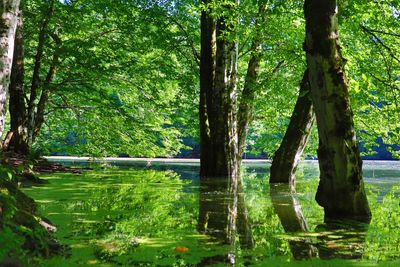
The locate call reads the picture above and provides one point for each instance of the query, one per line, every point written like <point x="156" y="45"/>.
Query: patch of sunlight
<point x="70" y="213"/>
<point x="92" y="262"/>
<point x="87" y="221"/>
<point x="44" y="201"/>
<point x="335" y="236"/>
<point x="156" y="242"/>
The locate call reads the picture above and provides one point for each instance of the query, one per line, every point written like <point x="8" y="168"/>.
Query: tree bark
<point x="341" y="188"/>
<point x="286" y="158"/>
<point x="8" y="24"/>
<point x="207" y="67"/>
<point x="35" y="83"/>
<point x="220" y="144"/>
<point x="17" y="136"/>
<point x="44" y="97"/>
<point x="248" y="97"/>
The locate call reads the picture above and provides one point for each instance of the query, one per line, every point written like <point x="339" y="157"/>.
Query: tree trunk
<point x="286" y="158"/>
<point x="341" y="188"/>
<point x="248" y="97"/>
<point x="8" y="24"/>
<point x="35" y="84"/>
<point x="219" y="146"/>
<point x="17" y="136"/>
<point x="44" y="97"/>
<point x="207" y="67"/>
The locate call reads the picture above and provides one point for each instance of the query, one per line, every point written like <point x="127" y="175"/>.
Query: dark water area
<point x="161" y="214"/>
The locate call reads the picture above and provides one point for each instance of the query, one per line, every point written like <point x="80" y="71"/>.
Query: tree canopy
<point x="126" y="77"/>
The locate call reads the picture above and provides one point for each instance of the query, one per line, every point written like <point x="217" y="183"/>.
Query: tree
<point x="17" y="137"/>
<point x="251" y="86"/>
<point x="83" y="72"/>
<point x="286" y="158"/>
<point x="26" y="119"/>
<point x="341" y="188"/>
<point x="9" y="21"/>
<point x="225" y="119"/>
<point x="217" y="110"/>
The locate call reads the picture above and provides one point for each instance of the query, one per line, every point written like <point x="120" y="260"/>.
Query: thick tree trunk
<point x="207" y="67"/>
<point x="219" y="139"/>
<point x="17" y="136"/>
<point x="8" y="24"/>
<point x="222" y="112"/>
<point x="341" y="188"/>
<point x="286" y="158"/>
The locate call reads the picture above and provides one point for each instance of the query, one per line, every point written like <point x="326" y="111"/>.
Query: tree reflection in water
<point x="332" y="239"/>
<point x="223" y="215"/>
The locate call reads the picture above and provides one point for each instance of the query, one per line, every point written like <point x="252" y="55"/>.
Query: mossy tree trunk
<point x="218" y="69"/>
<point x="224" y="123"/>
<point x="341" y="188"/>
<point x="27" y="118"/>
<point x="17" y="138"/>
<point x="8" y="25"/>
<point x="286" y="158"/>
<point x="207" y="66"/>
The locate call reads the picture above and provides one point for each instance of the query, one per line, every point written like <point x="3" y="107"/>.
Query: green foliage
<point x="125" y="80"/>
<point x="128" y="80"/>
<point x="370" y="40"/>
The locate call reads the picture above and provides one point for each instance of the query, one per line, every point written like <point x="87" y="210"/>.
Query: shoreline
<point x="175" y="160"/>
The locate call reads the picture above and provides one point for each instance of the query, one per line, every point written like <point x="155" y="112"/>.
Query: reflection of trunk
<point x="16" y="139"/>
<point x="337" y="239"/>
<point x="286" y="158"/>
<point x="222" y="211"/>
<point x="288" y="209"/>
<point x="341" y="188"/>
<point x="8" y="24"/>
<point x="348" y="241"/>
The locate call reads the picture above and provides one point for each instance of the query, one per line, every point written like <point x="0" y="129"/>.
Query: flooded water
<point x="162" y="214"/>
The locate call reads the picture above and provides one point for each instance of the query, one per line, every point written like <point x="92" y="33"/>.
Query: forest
<point x="200" y="133"/>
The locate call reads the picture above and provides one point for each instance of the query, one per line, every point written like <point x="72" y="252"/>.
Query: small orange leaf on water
<point x="181" y="249"/>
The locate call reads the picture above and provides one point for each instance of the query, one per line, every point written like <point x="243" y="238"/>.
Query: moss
<point x="21" y="232"/>
<point x="319" y="16"/>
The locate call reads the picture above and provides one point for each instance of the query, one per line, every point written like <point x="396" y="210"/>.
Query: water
<point x="162" y="215"/>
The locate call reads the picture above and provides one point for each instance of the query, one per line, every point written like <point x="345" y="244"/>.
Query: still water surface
<point x="137" y="214"/>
